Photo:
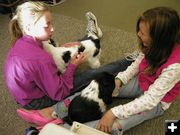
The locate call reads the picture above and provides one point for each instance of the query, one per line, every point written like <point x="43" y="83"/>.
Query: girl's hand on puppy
<point x="106" y="122"/>
<point x="118" y="83"/>
<point x="77" y="59"/>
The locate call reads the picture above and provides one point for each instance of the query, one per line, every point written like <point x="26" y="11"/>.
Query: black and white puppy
<point x="61" y="55"/>
<point x="93" y="100"/>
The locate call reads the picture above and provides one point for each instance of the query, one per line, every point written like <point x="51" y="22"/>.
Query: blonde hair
<point x="28" y="12"/>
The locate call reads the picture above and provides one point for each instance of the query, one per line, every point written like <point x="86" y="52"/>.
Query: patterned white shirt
<point x="164" y="83"/>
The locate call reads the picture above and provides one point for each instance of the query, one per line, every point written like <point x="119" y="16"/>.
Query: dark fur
<point x="52" y="42"/>
<point x="81" y="49"/>
<point x="66" y="56"/>
<point x="83" y="110"/>
<point x="97" y="44"/>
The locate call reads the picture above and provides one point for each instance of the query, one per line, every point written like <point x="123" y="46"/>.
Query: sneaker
<point x="54" y="2"/>
<point x="92" y="29"/>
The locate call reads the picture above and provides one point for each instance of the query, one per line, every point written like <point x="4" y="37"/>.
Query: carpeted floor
<point x="115" y="43"/>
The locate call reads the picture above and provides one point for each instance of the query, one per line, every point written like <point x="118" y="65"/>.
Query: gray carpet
<point x="115" y="43"/>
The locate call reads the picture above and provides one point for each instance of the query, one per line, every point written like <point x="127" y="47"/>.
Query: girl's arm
<point x="53" y="85"/>
<point x="126" y="75"/>
<point x="164" y="83"/>
<point x="57" y="86"/>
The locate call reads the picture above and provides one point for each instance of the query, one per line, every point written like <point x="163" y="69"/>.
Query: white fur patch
<point x="57" y="53"/>
<point x="92" y="92"/>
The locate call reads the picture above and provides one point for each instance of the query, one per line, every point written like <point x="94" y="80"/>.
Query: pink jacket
<point x="30" y="73"/>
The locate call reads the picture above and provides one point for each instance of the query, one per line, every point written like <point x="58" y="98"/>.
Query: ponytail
<point x="14" y="30"/>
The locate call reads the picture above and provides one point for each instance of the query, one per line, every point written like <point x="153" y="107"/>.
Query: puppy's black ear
<point x="106" y="95"/>
<point x="96" y="52"/>
<point x="97" y="43"/>
<point x="106" y="87"/>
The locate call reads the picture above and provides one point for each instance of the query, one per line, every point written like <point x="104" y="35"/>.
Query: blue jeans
<point x="83" y="78"/>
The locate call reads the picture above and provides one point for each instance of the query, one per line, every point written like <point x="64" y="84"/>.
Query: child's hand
<point x="70" y="44"/>
<point x="115" y="92"/>
<point x="106" y="122"/>
<point x="77" y="59"/>
<point x="118" y="83"/>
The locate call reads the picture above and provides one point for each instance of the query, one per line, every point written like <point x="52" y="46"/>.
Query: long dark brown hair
<point x="164" y="28"/>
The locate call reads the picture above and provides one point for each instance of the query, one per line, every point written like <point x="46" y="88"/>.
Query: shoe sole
<point x="89" y="16"/>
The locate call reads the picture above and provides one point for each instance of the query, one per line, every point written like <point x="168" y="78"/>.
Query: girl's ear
<point x="28" y="29"/>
